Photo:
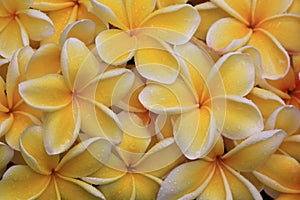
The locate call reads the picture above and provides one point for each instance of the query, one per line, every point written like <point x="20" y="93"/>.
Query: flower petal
<point x="173" y="98"/>
<point x="165" y="3"/>
<point x="92" y="152"/>
<point x="286" y="118"/>
<point x="61" y="128"/>
<point x="34" y="153"/>
<point x="290" y="146"/>
<point x="51" y="192"/>
<point x="242" y="117"/>
<point x="227" y="34"/>
<point x="17" y="5"/>
<point x="197" y="140"/>
<point x="247" y="156"/>
<point x="6" y="121"/>
<point x="158" y="23"/>
<point x="266" y="101"/>
<point x="37" y="24"/>
<point x="137" y="11"/>
<point x="145" y="187"/>
<point x="70" y="188"/>
<point x="47" y="93"/>
<point x="21" y="182"/>
<point x="283" y="177"/>
<point x="288" y="197"/>
<point x="291" y="25"/>
<point x="46" y="60"/>
<point x="6" y="155"/>
<point x="175" y="186"/>
<point x="275" y="60"/>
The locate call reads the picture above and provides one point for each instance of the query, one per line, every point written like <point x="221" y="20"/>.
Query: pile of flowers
<point x="149" y="99"/>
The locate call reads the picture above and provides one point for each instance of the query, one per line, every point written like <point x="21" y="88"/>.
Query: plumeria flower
<point x="205" y="97"/>
<point x="145" y="33"/>
<point x="217" y="176"/>
<point x="249" y="23"/>
<point x="15" y="114"/>
<point x="51" y="176"/>
<point x="6" y="154"/>
<point x="63" y="13"/>
<point x="20" y="24"/>
<point x="78" y="98"/>
<point x="136" y="167"/>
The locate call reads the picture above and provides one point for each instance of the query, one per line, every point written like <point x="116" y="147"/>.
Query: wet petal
<point x="175" y="186"/>
<point x="227" y="34"/>
<point x="76" y="189"/>
<point x="291" y="25"/>
<point x="286" y="118"/>
<point x="6" y="155"/>
<point x="34" y="153"/>
<point x="47" y="93"/>
<point x="21" y="182"/>
<point x="275" y="60"/>
<point x="137" y="11"/>
<point x="37" y="24"/>
<point x="254" y="151"/>
<point x="173" y="98"/>
<point x="61" y="128"/>
<point x="46" y="60"/>
<point x="165" y="3"/>
<point x="158" y="23"/>
<point x="283" y="177"/>
<point x="145" y="187"/>
<point x="45" y="5"/>
<point x="92" y="152"/>
<point x="242" y="117"/>
<point x="197" y="140"/>
<point x="266" y="101"/>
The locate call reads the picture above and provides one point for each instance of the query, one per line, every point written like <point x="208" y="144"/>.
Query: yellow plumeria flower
<point x="250" y="23"/>
<point x="145" y="33"/>
<point x="217" y="176"/>
<point x="136" y="168"/>
<point x="65" y="12"/>
<point x="19" y="24"/>
<point x="77" y="99"/>
<point x="207" y="98"/>
<point x="51" y="177"/>
<point x="6" y="154"/>
<point x="15" y="115"/>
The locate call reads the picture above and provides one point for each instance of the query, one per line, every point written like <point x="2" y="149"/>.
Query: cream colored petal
<point x="61" y="128"/>
<point x="165" y="3"/>
<point x="46" y="60"/>
<point x="187" y="181"/>
<point x="75" y="30"/>
<point x="227" y="34"/>
<point x="291" y="146"/>
<point x="266" y="101"/>
<point x="34" y="153"/>
<point x="173" y="98"/>
<point x="47" y="93"/>
<point x="15" y="36"/>
<point x="240" y="187"/>
<point x="37" y="24"/>
<point x="137" y="11"/>
<point x="21" y="121"/>
<point x="70" y="188"/>
<point x="13" y="6"/>
<point x="242" y="117"/>
<point x="197" y="140"/>
<point x="286" y="118"/>
<point x="116" y="46"/>
<point x="113" y="12"/>
<point x="209" y="14"/>
<point x="156" y="61"/>
<point x="284" y="176"/>
<point x="21" y="182"/>
<point x="6" y="121"/>
<point x="291" y="24"/>
<point x="92" y="152"/>
<point x="275" y="60"/>
<point x="235" y="68"/>
<point x="158" y="23"/>
<point x="278" y="7"/>
<point x="6" y="155"/>
<point x="253" y="152"/>
<point x="79" y="65"/>
<point x="240" y="10"/>
<point x="97" y="120"/>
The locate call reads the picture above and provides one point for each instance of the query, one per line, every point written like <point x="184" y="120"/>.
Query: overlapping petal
<point x="6" y="155"/>
<point x="13" y="6"/>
